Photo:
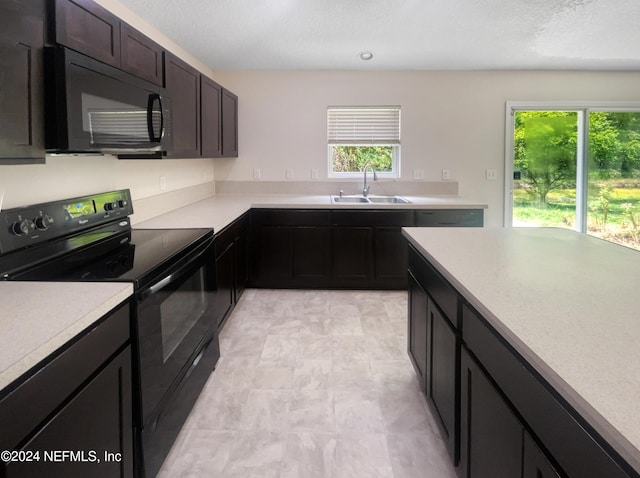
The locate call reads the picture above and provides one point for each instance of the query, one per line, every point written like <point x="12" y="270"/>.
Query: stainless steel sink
<point x="351" y="199"/>
<point x="389" y="200"/>
<point x="370" y="199"/>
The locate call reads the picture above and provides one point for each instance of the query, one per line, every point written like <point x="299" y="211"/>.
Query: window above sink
<point x="357" y="136"/>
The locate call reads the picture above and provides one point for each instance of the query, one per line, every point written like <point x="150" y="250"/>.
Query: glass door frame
<point x="583" y="108"/>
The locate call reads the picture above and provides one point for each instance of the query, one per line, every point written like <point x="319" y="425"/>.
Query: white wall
<point x="453" y="120"/>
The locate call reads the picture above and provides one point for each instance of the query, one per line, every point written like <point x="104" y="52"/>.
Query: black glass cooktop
<point x="137" y="256"/>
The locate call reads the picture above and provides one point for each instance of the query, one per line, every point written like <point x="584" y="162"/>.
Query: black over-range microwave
<point x="91" y="107"/>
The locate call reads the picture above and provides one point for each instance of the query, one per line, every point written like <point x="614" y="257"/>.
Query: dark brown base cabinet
<point x="316" y="248"/>
<point x="79" y="403"/>
<point x="433" y="345"/>
<point x="498" y="417"/>
<point x="232" y="266"/>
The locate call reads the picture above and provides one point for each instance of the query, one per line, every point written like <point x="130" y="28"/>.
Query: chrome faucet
<point x="365" y="189"/>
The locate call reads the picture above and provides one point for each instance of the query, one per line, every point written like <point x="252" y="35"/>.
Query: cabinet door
<point x="183" y="84"/>
<point x="491" y="435"/>
<point x="211" y="118"/>
<point x="311" y="256"/>
<point x="21" y="82"/>
<point x="229" y="124"/>
<point x="535" y="463"/>
<point x="442" y="353"/>
<point x="390" y="257"/>
<point x="85" y="26"/>
<point x="417" y="329"/>
<point x="273" y="260"/>
<point x="352" y="256"/>
<point x="224" y="283"/>
<point x="241" y="258"/>
<point x="141" y="56"/>
<point x="96" y="421"/>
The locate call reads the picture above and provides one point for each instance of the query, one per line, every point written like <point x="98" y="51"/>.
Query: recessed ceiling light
<point x="366" y="55"/>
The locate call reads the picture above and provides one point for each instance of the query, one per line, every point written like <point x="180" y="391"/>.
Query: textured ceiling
<point x="402" y="34"/>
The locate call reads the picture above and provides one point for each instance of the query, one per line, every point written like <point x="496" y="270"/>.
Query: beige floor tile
<point x="313" y="384"/>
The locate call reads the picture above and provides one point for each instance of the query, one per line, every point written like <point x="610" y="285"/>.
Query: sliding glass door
<point x="576" y="168"/>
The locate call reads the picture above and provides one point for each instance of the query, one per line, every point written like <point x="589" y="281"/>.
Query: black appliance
<point x="95" y="108"/>
<point x="174" y="331"/>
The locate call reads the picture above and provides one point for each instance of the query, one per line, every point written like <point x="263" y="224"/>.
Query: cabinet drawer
<point x="436" y="286"/>
<point x="372" y="218"/>
<point x="551" y="419"/>
<point x="284" y="217"/>
<point x="449" y="217"/>
<point x="49" y="386"/>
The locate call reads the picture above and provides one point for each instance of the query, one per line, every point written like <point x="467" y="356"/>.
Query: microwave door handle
<point x="152" y="134"/>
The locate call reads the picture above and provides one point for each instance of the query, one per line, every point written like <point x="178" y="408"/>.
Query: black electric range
<point x="173" y="327"/>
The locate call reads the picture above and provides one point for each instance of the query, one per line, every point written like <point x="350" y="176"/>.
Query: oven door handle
<point x="162" y="283"/>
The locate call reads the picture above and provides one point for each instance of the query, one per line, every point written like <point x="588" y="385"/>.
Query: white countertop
<point x="221" y="210"/>
<point x="569" y="303"/>
<point x="39" y="317"/>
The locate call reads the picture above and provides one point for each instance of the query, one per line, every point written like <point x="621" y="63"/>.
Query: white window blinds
<point x="363" y="125"/>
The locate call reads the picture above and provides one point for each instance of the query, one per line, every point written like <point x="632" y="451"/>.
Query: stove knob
<point x="110" y="206"/>
<point x="22" y="228"/>
<point x="122" y="203"/>
<point x="43" y="222"/>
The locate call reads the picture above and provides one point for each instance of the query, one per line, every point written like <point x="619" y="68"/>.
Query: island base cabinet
<point x="490" y="435"/>
<point x="441" y="380"/>
<point x="417" y="329"/>
<point x="535" y="463"/>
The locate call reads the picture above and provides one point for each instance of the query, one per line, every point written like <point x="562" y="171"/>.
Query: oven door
<point x="175" y="317"/>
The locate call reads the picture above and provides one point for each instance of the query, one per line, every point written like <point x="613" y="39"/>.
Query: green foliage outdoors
<point x="347" y="159"/>
<point x="546" y="155"/>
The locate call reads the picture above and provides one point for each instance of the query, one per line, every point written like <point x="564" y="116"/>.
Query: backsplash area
<point x="65" y="176"/>
<point x="384" y="187"/>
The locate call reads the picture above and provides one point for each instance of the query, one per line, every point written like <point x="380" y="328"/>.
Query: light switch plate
<point x="289" y="173"/>
<point x="256" y="173"/>
<point x="418" y="174"/>
<point x="445" y="174"/>
<point x="492" y="174"/>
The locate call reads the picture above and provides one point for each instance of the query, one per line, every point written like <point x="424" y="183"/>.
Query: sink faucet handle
<point x="341" y="192"/>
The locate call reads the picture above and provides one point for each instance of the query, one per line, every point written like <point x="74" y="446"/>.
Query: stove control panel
<point x="30" y="225"/>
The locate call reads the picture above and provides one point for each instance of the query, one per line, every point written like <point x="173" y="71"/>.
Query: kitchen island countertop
<point x="567" y="302"/>
<point x="39" y="317"/>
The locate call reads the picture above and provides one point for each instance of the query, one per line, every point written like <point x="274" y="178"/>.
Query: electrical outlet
<point x="492" y="174"/>
<point x="163" y="183"/>
<point x="314" y="174"/>
<point x="445" y="174"/>
<point x="289" y="173"/>
<point x="256" y="173"/>
<point x="418" y="174"/>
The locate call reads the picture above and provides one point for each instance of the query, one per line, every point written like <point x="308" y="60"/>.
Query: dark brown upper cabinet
<point x="211" y="117"/>
<point x="183" y="83"/>
<point x="90" y="29"/>
<point x="219" y="120"/>
<point x="21" y="82"/>
<point x="140" y="55"/>
<point x="85" y="26"/>
<point x="229" y="124"/>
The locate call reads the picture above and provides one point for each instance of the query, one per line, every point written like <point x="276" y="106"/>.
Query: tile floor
<point x="312" y="384"/>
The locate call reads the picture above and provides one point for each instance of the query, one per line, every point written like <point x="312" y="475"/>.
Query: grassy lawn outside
<point x="613" y="210"/>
